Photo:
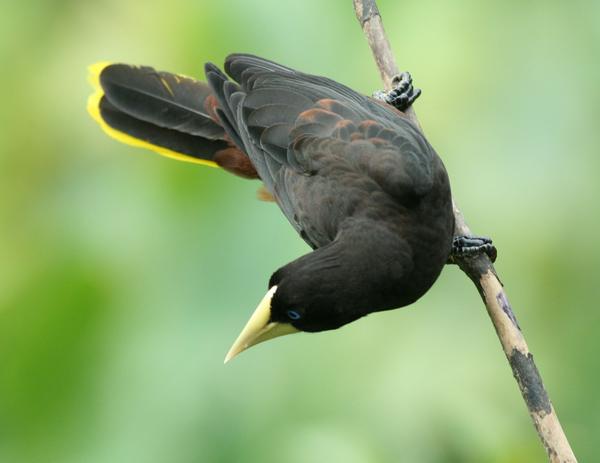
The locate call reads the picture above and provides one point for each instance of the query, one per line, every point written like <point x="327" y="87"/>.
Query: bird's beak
<point x="259" y="328"/>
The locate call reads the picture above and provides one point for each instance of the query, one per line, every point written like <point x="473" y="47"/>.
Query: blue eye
<point x="293" y="315"/>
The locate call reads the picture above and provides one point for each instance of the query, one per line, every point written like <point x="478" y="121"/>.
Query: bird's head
<point x="334" y="285"/>
<point x="295" y="304"/>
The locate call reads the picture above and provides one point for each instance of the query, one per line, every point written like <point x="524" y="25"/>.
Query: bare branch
<point x="481" y="271"/>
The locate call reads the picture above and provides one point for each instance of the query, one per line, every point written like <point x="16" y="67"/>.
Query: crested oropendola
<point x="355" y="178"/>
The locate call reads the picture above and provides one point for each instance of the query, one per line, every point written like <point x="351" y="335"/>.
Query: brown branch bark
<point x="481" y="271"/>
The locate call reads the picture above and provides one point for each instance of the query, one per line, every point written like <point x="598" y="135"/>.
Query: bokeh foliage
<point x="124" y="276"/>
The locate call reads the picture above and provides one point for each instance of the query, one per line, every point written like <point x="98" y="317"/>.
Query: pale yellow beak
<point x="259" y="329"/>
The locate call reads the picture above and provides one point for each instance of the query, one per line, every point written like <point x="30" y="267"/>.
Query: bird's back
<point x="328" y="154"/>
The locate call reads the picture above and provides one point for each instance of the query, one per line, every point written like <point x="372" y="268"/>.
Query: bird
<point x="355" y="178"/>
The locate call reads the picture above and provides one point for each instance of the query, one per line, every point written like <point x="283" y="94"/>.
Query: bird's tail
<point x="170" y="114"/>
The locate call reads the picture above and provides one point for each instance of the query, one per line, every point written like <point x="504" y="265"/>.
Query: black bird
<point x="355" y="178"/>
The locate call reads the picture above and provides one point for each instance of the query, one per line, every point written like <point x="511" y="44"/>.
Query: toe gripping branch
<point x="470" y="246"/>
<point x="402" y="95"/>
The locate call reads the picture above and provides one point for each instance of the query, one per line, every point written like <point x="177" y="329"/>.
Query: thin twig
<point x="481" y="271"/>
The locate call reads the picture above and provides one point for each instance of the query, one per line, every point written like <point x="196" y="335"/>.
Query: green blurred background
<point x="125" y="276"/>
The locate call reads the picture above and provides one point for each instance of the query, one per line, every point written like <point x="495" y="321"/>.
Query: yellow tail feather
<point x="93" y="108"/>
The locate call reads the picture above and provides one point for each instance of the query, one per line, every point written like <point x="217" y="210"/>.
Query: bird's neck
<point x="365" y="269"/>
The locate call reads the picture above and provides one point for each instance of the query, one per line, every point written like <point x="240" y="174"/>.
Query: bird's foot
<point x="402" y="95"/>
<point x="470" y="246"/>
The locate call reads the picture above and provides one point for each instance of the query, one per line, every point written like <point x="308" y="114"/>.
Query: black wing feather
<point x="318" y="145"/>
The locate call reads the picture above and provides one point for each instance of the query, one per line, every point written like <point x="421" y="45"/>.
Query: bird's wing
<point x="296" y="126"/>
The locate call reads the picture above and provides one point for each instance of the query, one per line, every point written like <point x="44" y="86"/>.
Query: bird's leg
<point x="402" y="95"/>
<point x="465" y="246"/>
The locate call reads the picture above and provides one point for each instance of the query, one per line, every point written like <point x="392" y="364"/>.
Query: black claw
<point x="468" y="246"/>
<point x="403" y="95"/>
